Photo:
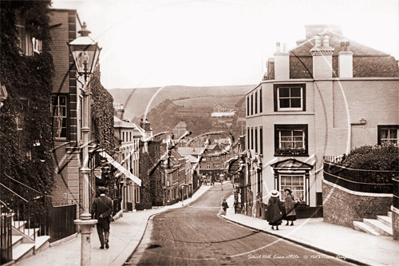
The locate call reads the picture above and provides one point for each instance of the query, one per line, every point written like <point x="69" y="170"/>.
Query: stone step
<point x="381" y="228"/>
<point x="42" y="243"/>
<point x="23" y="250"/>
<point x="390" y="215"/>
<point x="360" y="226"/>
<point x="385" y="220"/>
<point x="16" y="240"/>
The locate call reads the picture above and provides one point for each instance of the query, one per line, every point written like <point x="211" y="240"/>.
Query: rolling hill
<point x="136" y="100"/>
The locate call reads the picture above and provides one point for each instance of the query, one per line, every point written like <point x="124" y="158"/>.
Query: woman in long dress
<point x="289" y="206"/>
<point x="273" y="213"/>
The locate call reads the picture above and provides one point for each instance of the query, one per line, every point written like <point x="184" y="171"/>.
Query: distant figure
<point x="102" y="210"/>
<point x="289" y="206"/>
<point x="236" y="204"/>
<point x="258" y="205"/>
<point x="224" y="206"/>
<point x="273" y="213"/>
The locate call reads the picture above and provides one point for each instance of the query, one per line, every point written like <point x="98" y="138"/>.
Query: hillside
<point x="136" y="100"/>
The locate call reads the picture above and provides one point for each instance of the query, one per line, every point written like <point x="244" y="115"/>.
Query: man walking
<point x="102" y="210"/>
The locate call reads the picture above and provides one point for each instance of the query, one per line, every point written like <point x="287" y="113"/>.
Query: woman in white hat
<point x="273" y="213"/>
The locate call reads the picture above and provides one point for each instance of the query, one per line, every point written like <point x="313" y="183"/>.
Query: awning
<point x="124" y="171"/>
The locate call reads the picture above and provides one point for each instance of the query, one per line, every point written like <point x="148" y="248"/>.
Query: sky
<point x="152" y="43"/>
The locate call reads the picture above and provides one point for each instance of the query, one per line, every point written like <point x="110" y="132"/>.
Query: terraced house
<point x="325" y="97"/>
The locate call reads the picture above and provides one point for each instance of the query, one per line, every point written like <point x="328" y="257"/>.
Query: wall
<point x="373" y="99"/>
<point x="342" y="206"/>
<point x="59" y="49"/>
<point x="63" y="30"/>
<point x="60" y="190"/>
<point x="151" y="192"/>
<point x="395" y="223"/>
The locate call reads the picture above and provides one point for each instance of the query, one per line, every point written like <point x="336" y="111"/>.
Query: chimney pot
<point x="326" y="41"/>
<point x="277" y="47"/>
<point x="317" y="41"/>
<point x="284" y="48"/>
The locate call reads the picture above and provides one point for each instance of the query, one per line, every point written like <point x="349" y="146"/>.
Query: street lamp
<point x="85" y="52"/>
<point x="221" y="185"/>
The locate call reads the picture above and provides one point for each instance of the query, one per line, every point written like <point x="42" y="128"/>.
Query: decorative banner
<point x="124" y="171"/>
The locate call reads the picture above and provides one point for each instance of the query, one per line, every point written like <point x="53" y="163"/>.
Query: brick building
<point x="212" y="164"/>
<point x="129" y="137"/>
<point x="325" y="97"/>
<point x="64" y="25"/>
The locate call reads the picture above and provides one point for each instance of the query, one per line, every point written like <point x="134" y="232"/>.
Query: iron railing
<point x="6" y="238"/>
<point x="395" y="191"/>
<point x="62" y="222"/>
<point x="373" y="181"/>
<point x="334" y="158"/>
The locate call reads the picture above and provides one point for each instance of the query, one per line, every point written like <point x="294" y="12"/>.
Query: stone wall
<point x="342" y="206"/>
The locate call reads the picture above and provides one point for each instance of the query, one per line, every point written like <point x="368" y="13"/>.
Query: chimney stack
<point x="322" y="58"/>
<point x="345" y="61"/>
<point x="281" y="63"/>
<point x="119" y="110"/>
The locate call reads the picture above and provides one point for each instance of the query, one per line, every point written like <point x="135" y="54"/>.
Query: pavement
<point x="125" y="235"/>
<point x="330" y="239"/>
<point x="128" y="230"/>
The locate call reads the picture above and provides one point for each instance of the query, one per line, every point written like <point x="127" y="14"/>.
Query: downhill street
<point x="195" y="235"/>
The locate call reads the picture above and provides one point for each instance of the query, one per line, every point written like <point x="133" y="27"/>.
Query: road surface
<point x="195" y="235"/>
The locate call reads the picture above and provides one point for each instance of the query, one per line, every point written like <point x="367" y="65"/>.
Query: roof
<point x="120" y="123"/>
<point x="367" y="61"/>
<point x="335" y="42"/>
<point x="184" y="151"/>
<point x="191" y="158"/>
<point x="223" y="114"/>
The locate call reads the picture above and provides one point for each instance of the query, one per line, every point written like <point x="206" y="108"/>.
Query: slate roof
<point x="335" y="42"/>
<point x="367" y="62"/>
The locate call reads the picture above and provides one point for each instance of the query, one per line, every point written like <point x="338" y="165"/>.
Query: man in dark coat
<point x="102" y="210"/>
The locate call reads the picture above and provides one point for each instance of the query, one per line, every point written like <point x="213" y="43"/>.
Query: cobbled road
<point x="195" y="235"/>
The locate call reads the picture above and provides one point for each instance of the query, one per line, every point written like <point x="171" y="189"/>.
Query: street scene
<point x="197" y="236"/>
<point x="199" y="133"/>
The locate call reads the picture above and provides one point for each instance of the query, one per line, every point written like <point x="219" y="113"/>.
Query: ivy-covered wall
<point x="102" y="113"/>
<point x="28" y="78"/>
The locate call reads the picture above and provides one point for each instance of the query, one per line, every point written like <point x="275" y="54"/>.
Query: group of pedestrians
<point x="276" y="211"/>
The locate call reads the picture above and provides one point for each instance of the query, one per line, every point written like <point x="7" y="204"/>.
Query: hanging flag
<point x="124" y="171"/>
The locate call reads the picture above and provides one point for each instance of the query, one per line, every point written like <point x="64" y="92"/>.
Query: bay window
<point x="291" y="140"/>
<point x="289" y="97"/>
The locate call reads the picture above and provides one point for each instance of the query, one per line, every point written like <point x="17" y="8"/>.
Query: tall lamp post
<point x="85" y="52"/>
<point x="221" y="185"/>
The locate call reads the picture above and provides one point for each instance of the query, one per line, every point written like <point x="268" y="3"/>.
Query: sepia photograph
<point x="199" y="132"/>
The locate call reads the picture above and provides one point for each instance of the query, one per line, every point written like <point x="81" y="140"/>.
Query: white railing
<point x="334" y="158"/>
